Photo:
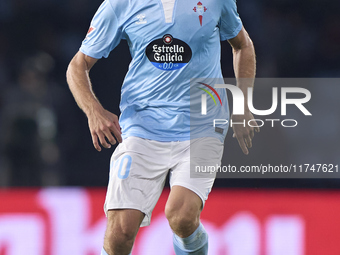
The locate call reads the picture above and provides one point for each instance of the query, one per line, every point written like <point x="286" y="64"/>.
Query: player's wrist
<point x="93" y="109"/>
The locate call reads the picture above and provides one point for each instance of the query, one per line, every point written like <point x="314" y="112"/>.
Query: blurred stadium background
<point x="45" y="145"/>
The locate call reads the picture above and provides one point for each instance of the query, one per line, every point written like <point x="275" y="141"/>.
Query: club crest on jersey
<point x="168" y="53"/>
<point x="200" y="9"/>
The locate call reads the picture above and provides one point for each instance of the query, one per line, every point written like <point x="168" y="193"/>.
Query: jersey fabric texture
<point x="167" y="52"/>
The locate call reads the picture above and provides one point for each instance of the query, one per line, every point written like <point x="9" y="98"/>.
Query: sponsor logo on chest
<point x="168" y="53"/>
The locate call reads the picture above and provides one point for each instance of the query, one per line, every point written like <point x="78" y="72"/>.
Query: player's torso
<point x="169" y="33"/>
<point x="170" y="42"/>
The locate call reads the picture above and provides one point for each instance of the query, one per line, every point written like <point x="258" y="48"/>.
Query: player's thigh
<point x="203" y="152"/>
<point x="123" y="223"/>
<point x="183" y="203"/>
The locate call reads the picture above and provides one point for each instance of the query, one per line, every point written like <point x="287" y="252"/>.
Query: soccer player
<point x="171" y="42"/>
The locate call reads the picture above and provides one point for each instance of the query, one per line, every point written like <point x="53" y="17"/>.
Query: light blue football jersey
<point x="171" y="42"/>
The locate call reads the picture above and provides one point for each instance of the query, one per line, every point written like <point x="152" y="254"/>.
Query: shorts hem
<point x="156" y="138"/>
<point x="147" y="218"/>
<point x="193" y="189"/>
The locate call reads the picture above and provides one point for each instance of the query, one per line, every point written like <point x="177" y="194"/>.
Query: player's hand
<point x="104" y="126"/>
<point x="244" y="135"/>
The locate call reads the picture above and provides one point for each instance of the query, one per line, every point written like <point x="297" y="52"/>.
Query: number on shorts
<point x="124" y="167"/>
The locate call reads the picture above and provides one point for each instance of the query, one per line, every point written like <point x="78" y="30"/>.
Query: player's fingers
<point x="115" y="122"/>
<point x="255" y="125"/>
<point x="117" y="132"/>
<point x="118" y="127"/>
<point x="110" y="137"/>
<point x="242" y="144"/>
<point x="118" y="135"/>
<point x="95" y="142"/>
<point x="251" y="133"/>
<point x="103" y="141"/>
<point x="248" y="141"/>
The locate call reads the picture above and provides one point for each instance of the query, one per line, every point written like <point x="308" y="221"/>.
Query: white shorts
<point x="139" y="168"/>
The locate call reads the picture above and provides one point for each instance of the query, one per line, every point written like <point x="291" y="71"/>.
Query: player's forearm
<point x="245" y="66"/>
<point x="80" y="85"/>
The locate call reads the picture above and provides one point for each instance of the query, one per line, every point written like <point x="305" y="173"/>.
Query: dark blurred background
<point x="44" y="138"/>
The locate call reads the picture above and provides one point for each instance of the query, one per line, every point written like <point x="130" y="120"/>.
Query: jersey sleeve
<point x="104" y="33"/>
<point x="230" y="22"/>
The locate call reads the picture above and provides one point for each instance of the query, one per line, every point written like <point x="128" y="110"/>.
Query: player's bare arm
<point x="245" y="69"/>
<point x="102" y="123"/>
